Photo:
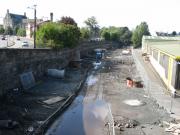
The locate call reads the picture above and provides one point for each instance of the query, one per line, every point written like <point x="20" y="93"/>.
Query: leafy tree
<point x="118" y="34"/>
<point x="21" y="32"/>
<point x="174" y="33"/>
<point x="85" y="33"/>
<point x="16" y="30"/>
<point x="106" y="35"/>
<point x="67" y="20"/>
<point x="125" y="35"/>
<point x="92" y="24"/>
<point x="8" y="31"/>
<point x="58" y="35"/>
<point x="138" y="33"/>
<point x="2" y="30"/>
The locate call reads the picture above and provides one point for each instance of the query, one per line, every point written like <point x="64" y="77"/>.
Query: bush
<point x="58" y="35"/>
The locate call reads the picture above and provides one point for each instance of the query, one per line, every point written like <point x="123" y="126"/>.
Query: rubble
<point x="173" y="128"/>
<point x="125" y="123"/>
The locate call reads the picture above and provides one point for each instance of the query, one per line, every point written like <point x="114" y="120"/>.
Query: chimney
<point x="51" y="16"/>
<point x="7" y="11"/>
<point x="25" y="14"/>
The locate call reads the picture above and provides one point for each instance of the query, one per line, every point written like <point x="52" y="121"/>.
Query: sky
<point x="160" y="15"/>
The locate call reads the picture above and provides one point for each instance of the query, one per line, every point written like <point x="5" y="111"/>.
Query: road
<point x="12" y="42"/>
<point x="106" y="100"/>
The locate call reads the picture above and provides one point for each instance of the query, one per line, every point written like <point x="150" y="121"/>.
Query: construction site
<point x="108" y="96"/>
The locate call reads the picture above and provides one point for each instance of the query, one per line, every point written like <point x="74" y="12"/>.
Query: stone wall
<point x="14" y="62"/>
<point x="17" y="61"/>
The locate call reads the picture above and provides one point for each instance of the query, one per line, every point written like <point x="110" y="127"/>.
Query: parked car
<point x="18" y="38"/>
<point x="25" y="44"/>
<point x="3" y="38"/>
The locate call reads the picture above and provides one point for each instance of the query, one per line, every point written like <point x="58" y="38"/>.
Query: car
<point x="25" y="44"/>
<point x="3" y="38"/>
<point x="18" y="38"/>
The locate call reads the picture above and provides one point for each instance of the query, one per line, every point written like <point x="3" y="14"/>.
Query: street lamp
<point x="34" y="8"/>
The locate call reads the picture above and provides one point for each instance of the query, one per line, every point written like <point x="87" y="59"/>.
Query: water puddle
<point x="134" y="102"/>
<point x="91" y="80"/>
<point x="97" y="65"/>
<point x="83" y="118"/>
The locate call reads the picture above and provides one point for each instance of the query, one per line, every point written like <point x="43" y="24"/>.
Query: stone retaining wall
<point x="14" y="62"/>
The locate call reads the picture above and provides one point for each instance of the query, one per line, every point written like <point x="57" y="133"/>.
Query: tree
<point x="67" y="20"/>
<point x="58" y="35"/>
<point x="125" y="35"/>
<point x="174" y="33"/>
<point x="92" y="24"/>
<point x="106" y="35"/>
<point x="21" y="32"/>
<point x="138" y="33"/>
<point x="8" y="31"/>
<point x="118" y="34"/>
<point x="2" y="30"/>
<point x="85" y="33"/>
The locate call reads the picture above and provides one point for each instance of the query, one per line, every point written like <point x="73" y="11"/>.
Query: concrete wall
<point x="14" y="62"/>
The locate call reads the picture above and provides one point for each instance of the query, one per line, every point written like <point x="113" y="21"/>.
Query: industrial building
<point x="164" y="55"/>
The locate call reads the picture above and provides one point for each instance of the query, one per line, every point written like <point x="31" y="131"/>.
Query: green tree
<point x="106" y="35"/>
<point x="92" y="24"/>
<point x="174" y="33"/>
<point x="138" y="33"/>
<point x="21" y="32"/>
<point x="2" y="30"/>
<point x="125" y="35"/>
<point x="85" y="33"/>
<point x="8" y="31"/>
<point x="58" y="35"/>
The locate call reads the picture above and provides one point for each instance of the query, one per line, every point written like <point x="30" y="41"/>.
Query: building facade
<point x="14" y="20"/>
<point x="164" y="55"/>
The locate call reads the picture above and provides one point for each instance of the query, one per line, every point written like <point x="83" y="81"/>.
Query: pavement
<point x="155" y="87"/>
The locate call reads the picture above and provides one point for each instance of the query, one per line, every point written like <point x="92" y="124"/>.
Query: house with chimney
<point x="14" y="21"/>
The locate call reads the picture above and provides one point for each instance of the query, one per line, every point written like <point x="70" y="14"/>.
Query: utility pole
<point x="35" y="19"/>
<point x="35" y="26"/>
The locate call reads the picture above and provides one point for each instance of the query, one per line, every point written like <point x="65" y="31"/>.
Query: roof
<point x="17" y="18"/>
<point x="161" y="38"/>
<point x="171" y="49"/>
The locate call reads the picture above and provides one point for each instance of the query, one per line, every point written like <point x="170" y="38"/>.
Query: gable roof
<point x="17" y="18"/>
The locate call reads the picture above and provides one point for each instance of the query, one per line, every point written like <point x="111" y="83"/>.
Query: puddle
<point x="91" y="80"/>
<point x="83" y="119"/>
<point x="134" y="102"/>
<point x="96" y="65"/>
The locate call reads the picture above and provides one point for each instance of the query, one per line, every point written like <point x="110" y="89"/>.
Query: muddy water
<point x="84" y="117"/>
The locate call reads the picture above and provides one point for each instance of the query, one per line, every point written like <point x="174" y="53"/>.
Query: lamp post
<point x="34" y="8"/>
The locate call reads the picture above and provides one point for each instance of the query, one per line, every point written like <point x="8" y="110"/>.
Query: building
<point x="29" y="25"/>
<point x="14" y="20"/>
<point x="164" y="55"/>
